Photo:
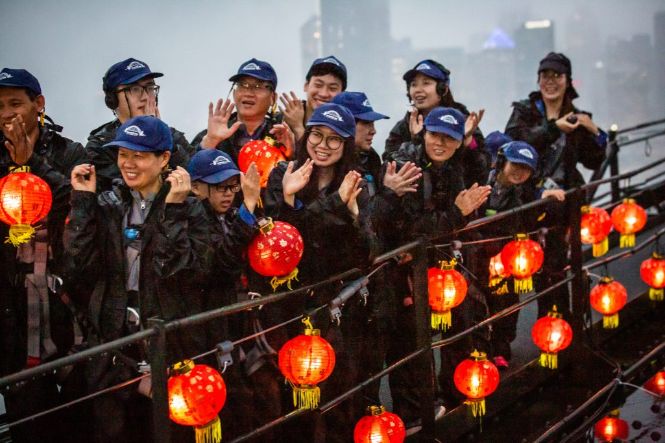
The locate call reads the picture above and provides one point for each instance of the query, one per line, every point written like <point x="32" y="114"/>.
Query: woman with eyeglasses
<point x="144" y="246"/>
<point x="322" y="195"/>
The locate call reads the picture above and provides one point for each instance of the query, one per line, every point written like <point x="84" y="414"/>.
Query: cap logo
<point x="448" y="119"/>
<point x="331" y="60"/>
<point x="526" y="153"/>
<point x="220" y="160"/>
<point x="5" y="76"/>
<point x="251" y="67"/>
<point x="366" y="103"/>
<point x="423" y="67"/>
<point x="134" y="131"/>
<point x="333" y="115"/>
<point x="134" y="65"/>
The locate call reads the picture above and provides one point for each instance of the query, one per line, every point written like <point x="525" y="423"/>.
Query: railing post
<point x="424" y="363"/>
<point x="614" y="161"/>
<point x="578" y="284"/>
<point x="160" y="405"/>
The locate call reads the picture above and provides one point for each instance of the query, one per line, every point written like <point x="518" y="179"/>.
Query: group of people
<point x="146" y="224"/>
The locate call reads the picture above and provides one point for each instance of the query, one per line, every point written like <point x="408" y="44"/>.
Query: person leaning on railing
<point x="145" y="246"/>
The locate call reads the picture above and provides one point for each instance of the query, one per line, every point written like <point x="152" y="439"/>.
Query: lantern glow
<point x="25" y="199"/>
<point x="652" y="272"/>
<point x="264" y="153"/>
<point x="498" y="275"/>
<point x="379" y="426"/>
<point x="595" y="226"/>
<point x="522" y="258"/>
<point x="611" y="428"/>
<point x="628" y="218"/>
<point x="447" y="290"/>
<point x="551" y="334"/>
<point x="476" y="378"/>
<point x="656" y="384"/>
<point x="608" y="298"/>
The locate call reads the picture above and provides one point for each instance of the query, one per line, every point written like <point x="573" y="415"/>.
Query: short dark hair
<point x="323" y="69"/>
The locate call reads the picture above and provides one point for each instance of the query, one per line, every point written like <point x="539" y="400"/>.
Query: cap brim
<point x="446" y="130"/>
<point x="411" y="73"/>
<point x="219" y="177"/>
<point x="370" y="116"/>
<point x="257" y="76"/>
<point x="521" y="162"/>
<point x="13" y="85"/>
<point x="553" y="66"/>
<point x="328" y="125"/>
<point x="138" y="77"/>
<point x="132" y="146"/>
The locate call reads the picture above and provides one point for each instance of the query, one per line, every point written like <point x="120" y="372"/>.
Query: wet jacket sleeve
<point x="536" y="131"/>
<point x="231" y="246"/>
<point x="590" y="148"/>
<point x="398" y="135"/>
<point x="182" y="150"/>
<point x="80" y="237"/>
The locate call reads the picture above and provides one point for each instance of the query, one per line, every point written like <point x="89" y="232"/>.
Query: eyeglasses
<point x="551" y="75"/>
<point x="333" y="142"/>
<point x="235" y="188"/>
<point x="138" y="90"/>
<point x="257" y="88"/>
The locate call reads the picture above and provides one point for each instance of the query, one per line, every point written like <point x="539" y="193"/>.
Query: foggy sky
<point x="199" y="44"/>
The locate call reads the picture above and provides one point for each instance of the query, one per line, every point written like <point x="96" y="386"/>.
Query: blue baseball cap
<point x="358" y="104"/>
<point x="429" y="68"/>
<point x="447" y="121"/>
<point x="331" y="64"/>
<point x="336" y="117"/>
<point x="144" y="133"/>
<point x="127" y="72"/>
<point x="19" y="78"/>
<point x="494" y="141"/>
<point x="521" y="152"/>
<point x="257" y="69"/>
<point x="212" y="166"/>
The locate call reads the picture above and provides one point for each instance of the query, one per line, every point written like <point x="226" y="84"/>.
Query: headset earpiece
<point x="111" y="100"/>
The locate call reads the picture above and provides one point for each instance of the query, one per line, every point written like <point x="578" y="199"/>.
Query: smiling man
<point x="129" y="91"/>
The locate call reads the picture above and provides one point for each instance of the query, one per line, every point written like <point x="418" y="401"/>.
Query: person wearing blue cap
<point x="493" y="143"/>
<point x="129" y="91"/>
<point x="31" y="142"/>
<point x="143" y="247"/>
<point x="256" y="116"/>
<point x="325" y="79"/>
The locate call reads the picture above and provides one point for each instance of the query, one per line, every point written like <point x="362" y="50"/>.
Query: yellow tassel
<point x="548" y="360"/>
<point x="610" y="321"/>
<point x="275" y="282"/>
<point x="210" y="433"/>
<point x="627" y="240"/>
<point x="600" y="248"/>
<point x="477" y="406"/>
<point x="498" y="286"/>
<point x="523" y="285"/>
<point x="306" y="397"/>
<point x="19" y="234"/>
<point x="41" y="118"/>
<point x="655" y="294"/>
<point x="441" y="320"/>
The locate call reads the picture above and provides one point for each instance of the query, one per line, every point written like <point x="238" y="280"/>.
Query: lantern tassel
<point x="498" y="285"/>
<point x="306" y="397"/>
<point x="627" y="240"/>
<point x="655" y="294"/>
<point x="209" y="433"/>
<point x="441" y="320"/>
<point x="600" y="248"/>
<point x="523" y="285"/>
<point x="548" y="360"/>
<point x="477" y="406"/>
<point x="19" y="234"/>
<point x="611" y="321"/>
<point x="275" y="282"/>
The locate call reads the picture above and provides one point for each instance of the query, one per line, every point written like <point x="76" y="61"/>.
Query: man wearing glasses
<point x="129" y="91"/>
<point x="254" y="99"/>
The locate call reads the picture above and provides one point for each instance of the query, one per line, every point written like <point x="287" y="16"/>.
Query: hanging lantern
<point x="628" y="218"/>
<point x="551" y="334"/>
<point x="611" y="428"/>
<point x="608" y="298"/>
<point x="498" y="283"/>
<point x="305" y="361"/>
<point x="595" y="227"/>
<point x="522" y="258"/>
<point x="652" y="271"/>
<point x="276" y="252"/>
<point x="264" y="153"/>
<point x="379" y="426"/>
<point x="25" y="199"/>
<point x="656" y="384"/>
<point x="476" y="378"/>
<point x="196" y="395"/>
<point x="447" y="289"/>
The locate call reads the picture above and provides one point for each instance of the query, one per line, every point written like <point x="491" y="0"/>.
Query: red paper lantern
<point x="264" y="153"/>
<point x="498" y="275"/>
<point x="628" y="218"/>
<point x="476" y="378"/>
<point x="595" y="227"/>
<point x="305" y="361"/>
<point x="276" y="252"/>
<point x="656" y="384"/>
<point x="196" y="395"/>
<point x="652" y="271"/>
<point x="25" y="199"/>
<point x="608" y="298"/>
<point x="447" y="289"/>
<point x="551" y="334"/>
<point x="379" y="426"/>
<point x="611" y="428"/>
<point x="522" y="258"/>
